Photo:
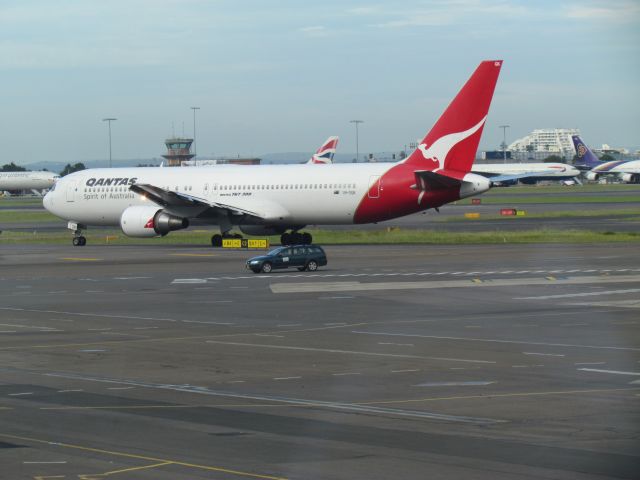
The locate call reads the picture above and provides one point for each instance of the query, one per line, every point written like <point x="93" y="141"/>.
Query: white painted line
<point x="582" y="294"/>
<point x="20" y="394"/>
<point x="130" y="278"/>
<point x="493" y="340"/>
<point x="455" y="384"/>
<point x="544" y="354"/>
<point x="614" y="372"/>
<point x="268" y="335"/>
<point x="120" y="388"/>
<point x="286" y="378"/>
<point x="345" y="373"/>
<point x="70" y="390"/>
<point x="397" y="344"/>
<point x="45" y="462"/>
<point x="289" y="325"/>
<point x="82" y="314"/>
<point x="237" y="381"/>
<point x="464" y="360"/>
<point x="94" y="350"/>
<point x="189" y="280"/>
<point x="406" y="371"/>
<point x="590" y="363"/>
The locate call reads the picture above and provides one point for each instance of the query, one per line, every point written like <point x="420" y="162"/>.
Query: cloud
<point x="618" y="12"/>
<point x="315" y="31"/>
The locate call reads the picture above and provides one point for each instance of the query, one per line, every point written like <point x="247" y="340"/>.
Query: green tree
<point x="607" y="157"/>
<point x="72" y="168"/>
<point x="12" y="167"/>
<point x="553" y="159"/>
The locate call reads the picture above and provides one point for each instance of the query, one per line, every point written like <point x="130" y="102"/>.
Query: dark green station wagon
<point x="303" y="257"/>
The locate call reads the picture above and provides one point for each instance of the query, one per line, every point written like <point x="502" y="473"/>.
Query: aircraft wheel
<point x="307" y="239"/>
<point x="83" y="241"/>
<point x="76" y="241"/>
<point x="285" y="239"/>
<point x="216" y="240"/>
<point x="296" y="238"/>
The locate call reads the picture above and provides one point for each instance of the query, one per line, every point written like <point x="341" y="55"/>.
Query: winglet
<point x="453" y="141"/>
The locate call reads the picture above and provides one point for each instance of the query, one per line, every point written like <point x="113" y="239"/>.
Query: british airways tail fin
<point x="326" y="152"/>
<point x="453" y="141"/>
<point x="586" y="158"/>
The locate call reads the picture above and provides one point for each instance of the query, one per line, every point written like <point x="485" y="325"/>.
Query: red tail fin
<point x="453" y="141"/>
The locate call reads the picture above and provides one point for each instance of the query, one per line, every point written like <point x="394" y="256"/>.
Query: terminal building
<point x="542" y="143"/>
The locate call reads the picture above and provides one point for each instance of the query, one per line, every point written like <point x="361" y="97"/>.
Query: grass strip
<point x="391" y="236"/>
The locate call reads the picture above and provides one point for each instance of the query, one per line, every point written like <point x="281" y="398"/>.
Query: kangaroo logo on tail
<point x="439" y="149"/>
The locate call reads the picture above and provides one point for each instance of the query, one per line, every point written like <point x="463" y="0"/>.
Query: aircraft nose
<point x="47" y="201"/>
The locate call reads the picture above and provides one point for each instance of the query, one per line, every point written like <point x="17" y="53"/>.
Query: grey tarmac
<point x="157" y="362"/>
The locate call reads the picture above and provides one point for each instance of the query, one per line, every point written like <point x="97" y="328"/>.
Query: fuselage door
<point x="71" y="190"/>
<point x="374" y="186"/>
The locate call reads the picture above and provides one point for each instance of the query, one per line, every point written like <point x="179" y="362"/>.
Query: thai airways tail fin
<point x="586" y="158"/>
<point x="453" y="141"/>
<point x="326" y="152"/>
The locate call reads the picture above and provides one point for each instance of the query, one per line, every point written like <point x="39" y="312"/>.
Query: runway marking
<point x="325" y="287"/>
<point x="71" y="390"/>
<point x="44" y="462"/>
<point x="614" y="372"/>
<point x="81" y="259"/>
<point x="285" y="378"/>
<point x="268" y="335"/>
<point x="189" y="280"/>
<point x="397" y="344"/>
<point x="311" y="349"/>
<point x="544" y="354"/>
<point x="120" y="388"/>
<point x="19" y="394"/>
<point x="455" y="384"/>
<point x="581" y="294"/>
<point x="142" y="457"/>
<point x="355" y="407"/>
<point x="491" y="340"/>
<point x="406" y="371"/>
<point x="345" y="374"/>
<point x="390" y="274"/>
<point x="489" y="396"/>
<point x="289" y="325"/>
<point x="114" y="472"/>
<point x="131" y="278"/>
<point x="590" y="363"/>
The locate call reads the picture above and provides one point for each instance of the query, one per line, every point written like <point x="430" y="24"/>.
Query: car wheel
<point x="266" y="267"/>
<point x="312" y="266"/>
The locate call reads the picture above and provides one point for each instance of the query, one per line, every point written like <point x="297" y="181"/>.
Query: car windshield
<point x="275" y="252"/>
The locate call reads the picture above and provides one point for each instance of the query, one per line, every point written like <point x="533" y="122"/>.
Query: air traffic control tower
<point x="178" y="151"/>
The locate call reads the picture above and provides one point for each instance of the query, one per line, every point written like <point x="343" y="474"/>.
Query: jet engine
<point x="592" y="176"/>
<point x="148" y="221"/>
<point x="262" y="229"/>
<point x="630" y="177"/>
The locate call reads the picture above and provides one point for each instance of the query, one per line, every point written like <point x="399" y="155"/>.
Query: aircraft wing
<point x="517" y="176"/>
<point x="182" y="203"/>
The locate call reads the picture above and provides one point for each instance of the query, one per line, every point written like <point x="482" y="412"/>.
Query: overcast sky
<point x="281" y="76"/>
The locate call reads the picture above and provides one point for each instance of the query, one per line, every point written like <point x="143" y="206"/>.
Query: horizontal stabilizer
<point x="519" y="176"/>
<point x="429" y="180"/>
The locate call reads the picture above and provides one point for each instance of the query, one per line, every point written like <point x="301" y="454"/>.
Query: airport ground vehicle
<point x="303" y="257"/>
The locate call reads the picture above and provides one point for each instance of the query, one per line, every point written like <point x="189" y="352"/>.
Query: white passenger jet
<point x="283" y="199"/>
<point x="27" y="180"/>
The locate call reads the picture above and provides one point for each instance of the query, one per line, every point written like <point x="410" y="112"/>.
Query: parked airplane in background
<point x="497" y="172"/>
<point x="526" y="172"/>
<point x="27" y="180"/>
<point x="283" y="199"/>
<point x="326" y="152"/>
<point x="628" y="171"/>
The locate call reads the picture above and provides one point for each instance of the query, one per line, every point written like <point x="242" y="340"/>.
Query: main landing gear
<point x="296" y="238"/>
<point x="79" y="241"/>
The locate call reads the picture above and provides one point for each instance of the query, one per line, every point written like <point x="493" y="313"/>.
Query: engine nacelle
<point x="630" y="177"/>
<point x="473" y="184"/>
<point x="592" y="176"/>
<point x="262" y="230"/>
<point x="149" y="221"/>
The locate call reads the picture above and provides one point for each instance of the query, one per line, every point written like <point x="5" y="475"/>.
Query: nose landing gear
<point x="78" y="239"/>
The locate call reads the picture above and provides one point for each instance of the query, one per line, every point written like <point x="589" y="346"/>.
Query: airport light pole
<point x="109" y="120"/>
<point x="357" y="140"/>
<point x="195" y="151"/>
<point x="504" y="142"/>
